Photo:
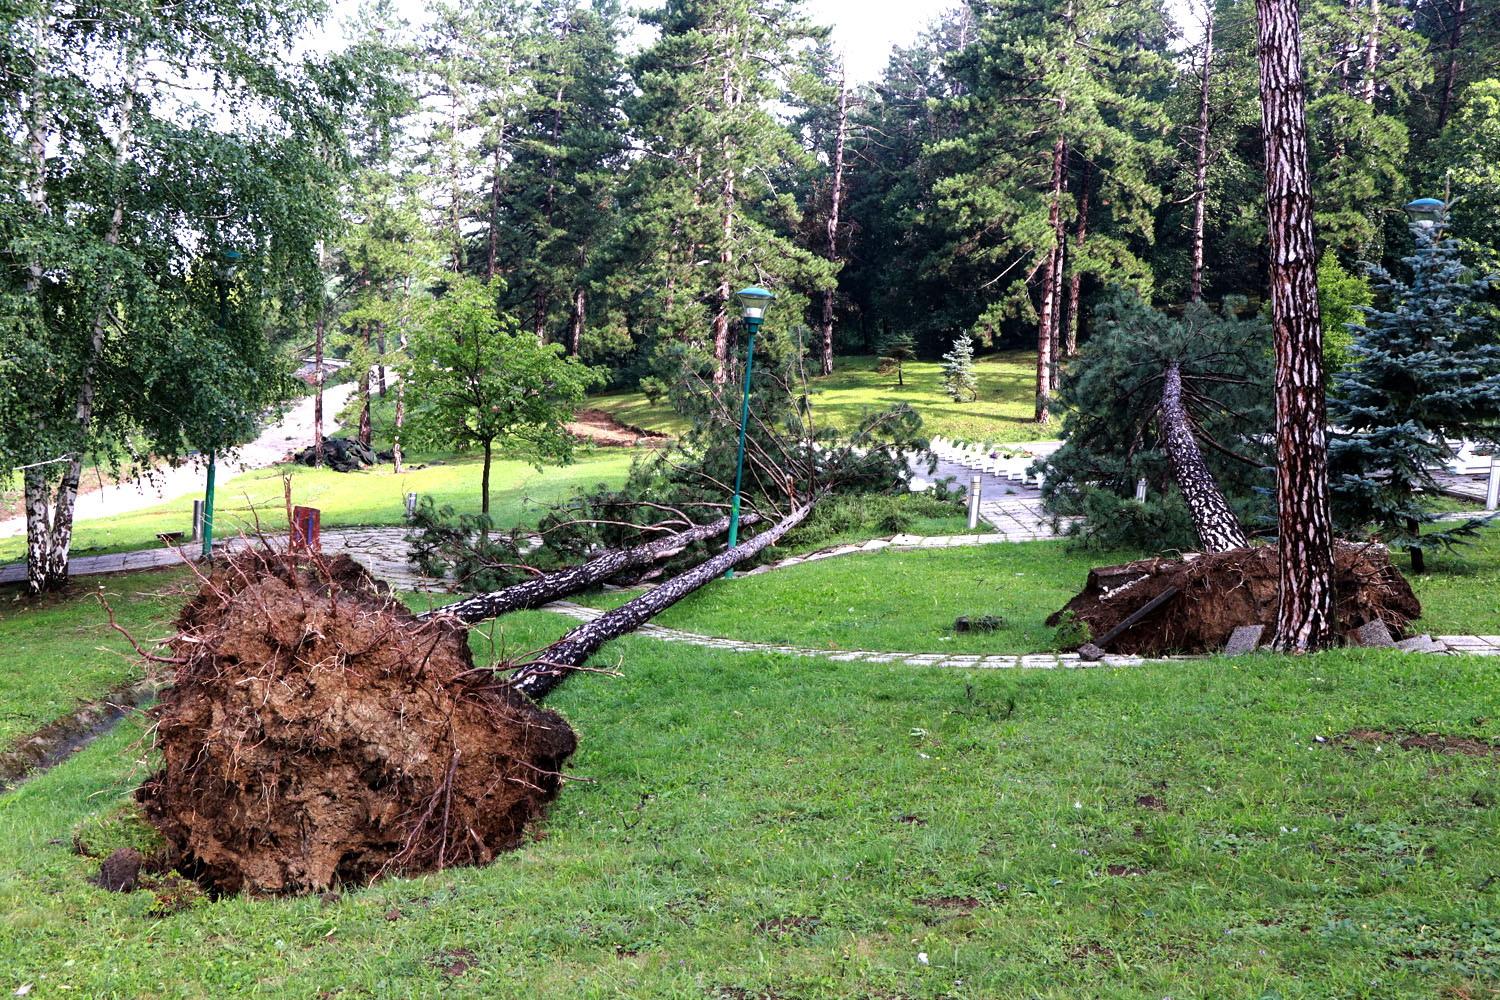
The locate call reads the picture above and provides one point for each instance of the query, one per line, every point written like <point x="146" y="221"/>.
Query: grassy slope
<point x="903" y="601"/>
<point x="373" y="496"/>
<point x="906" y="601"/>
<point x="762" y="826"/>
<point x="1001" y="414"/>
<point x="61" y="652"/>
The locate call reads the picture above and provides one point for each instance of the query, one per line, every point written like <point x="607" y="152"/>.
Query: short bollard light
<point x="976" y="486"/>
<point x="411" y="506"/>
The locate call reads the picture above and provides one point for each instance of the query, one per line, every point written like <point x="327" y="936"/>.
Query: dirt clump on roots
<point x="1218" y="592"/>
<point x="318" y="734"/>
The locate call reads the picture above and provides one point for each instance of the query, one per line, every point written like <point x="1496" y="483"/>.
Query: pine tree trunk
<point x="1372" y="55"/>
<point x="484" y="479"/>
<point x="1200" y="163"/>
<point x="380" y="367"/>
<point x="1075" y="279"/>
<point x="723" y="293"/>
<point x="1046" y="330"/>
<point x="575" y="335"/>
<point x="1450" y="74"/>
<point x="540" y="676"/>
<point x="1304" y="615"/>
<point x="606" y="565"/>
<point x="1218" y="528"/>
<point x="366" y="432"/>
<point x="320" y="328"/>
<point x="835" y="203"/>
<point x="493" y="256"/>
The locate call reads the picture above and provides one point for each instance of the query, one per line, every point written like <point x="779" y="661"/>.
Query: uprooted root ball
<point x="1222" y="590"/>
<point x="318" y="734"/>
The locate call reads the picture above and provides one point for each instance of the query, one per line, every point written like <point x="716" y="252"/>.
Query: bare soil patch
<point x="318" y="734"/>
<point x="1220" y="591"/>
<point x="603" y="428"/>
<point x="1467" y="746"/>
<point x="960" y="904"/>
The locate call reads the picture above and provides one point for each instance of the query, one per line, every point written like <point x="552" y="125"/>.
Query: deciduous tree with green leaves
<point x="474" y="380"/>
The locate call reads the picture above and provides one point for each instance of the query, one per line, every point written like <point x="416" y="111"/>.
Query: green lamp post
<point x="754" y="301"/>
<point x="231" y="261"/>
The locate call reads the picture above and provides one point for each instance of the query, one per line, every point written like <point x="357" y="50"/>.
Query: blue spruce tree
<point x="1424" y="373"/>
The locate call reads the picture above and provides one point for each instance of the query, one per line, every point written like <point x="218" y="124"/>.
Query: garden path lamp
<point x="754" y="301"/>
<point x="1427" y="212"/>
<point x="231" y="260"/>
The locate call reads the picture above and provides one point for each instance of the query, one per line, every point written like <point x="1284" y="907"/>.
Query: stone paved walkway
<point x="382" y="551"/>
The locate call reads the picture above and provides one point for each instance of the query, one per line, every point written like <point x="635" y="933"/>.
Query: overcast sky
<point x="863" y="30"/>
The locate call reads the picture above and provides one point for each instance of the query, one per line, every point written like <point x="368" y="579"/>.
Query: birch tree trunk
<point x="320" y="331"/>
<point x="551" y="586"/>
<point x="47" y="560"/>
<point x="836" y="199"/>
<point x="539" y="677"/>
<point x="1218" y="528"/>
<point x="575" y="334"/>
<point x="1304" y="615"/>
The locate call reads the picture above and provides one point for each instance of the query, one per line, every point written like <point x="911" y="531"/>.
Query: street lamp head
<point x="231" y="259"/>
<point x="754" y="301"/>
<point x="1426" y="212"/>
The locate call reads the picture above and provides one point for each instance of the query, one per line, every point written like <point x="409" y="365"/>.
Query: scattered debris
<point x="1467" y="746"/>
<point x="978" y="623"/>
<point x="339" y="454"/>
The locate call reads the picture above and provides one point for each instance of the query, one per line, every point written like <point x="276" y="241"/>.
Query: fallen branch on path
<point x="551" y="665"/>
<point x="551" y="586"/>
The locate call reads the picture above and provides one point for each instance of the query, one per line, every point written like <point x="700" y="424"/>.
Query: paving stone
<point x="1420" y="644"/>
<point x="1374" y="633"/>
<point x="1243" y="640"/>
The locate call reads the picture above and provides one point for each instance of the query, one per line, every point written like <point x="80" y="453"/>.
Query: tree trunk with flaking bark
<point x="1200" y="162"/>
<point x="380" y="366"/>
<point x="540" y="676"/>
<point x="835" y="203"/>
<point x="366" y="431"/>
<point x="1372" y="56"/>
<point x="1305" y="614"/>
<point x="1075" y="279"/>
<point x="1450" y="74"/>
<point x="580" y="316"/>
<point x="605" y="566"/>
<point x="1051" y="282"/>
<point x="1218" y="528"/>
<point x="320" y="329"/>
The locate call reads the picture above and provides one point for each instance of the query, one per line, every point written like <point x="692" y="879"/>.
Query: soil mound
<point x="317" y="734"/>
<point x="1220" y="591"/>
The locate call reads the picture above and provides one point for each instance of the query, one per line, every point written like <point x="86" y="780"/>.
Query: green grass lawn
<point x="1003" y="412"/>
<point x="61" y="652"/>
<point x="759" y="826"/>
<point x="371" y="496"/>
<point x="904" y="601"/>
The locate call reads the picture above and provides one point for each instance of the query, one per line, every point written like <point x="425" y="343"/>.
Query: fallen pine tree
<point x="607" y="565"/>
<point x="538" y="677"/>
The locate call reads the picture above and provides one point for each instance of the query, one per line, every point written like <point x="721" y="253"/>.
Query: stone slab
<point x="1375" y="633"/>
<point x="1244" y="639"/>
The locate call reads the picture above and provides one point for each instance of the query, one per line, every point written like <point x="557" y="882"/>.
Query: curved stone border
<point x="1458" y="645"/>
<point x="1029" y="661"/>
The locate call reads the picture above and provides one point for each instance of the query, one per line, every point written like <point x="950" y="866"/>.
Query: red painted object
<point x="305" y="528"/>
